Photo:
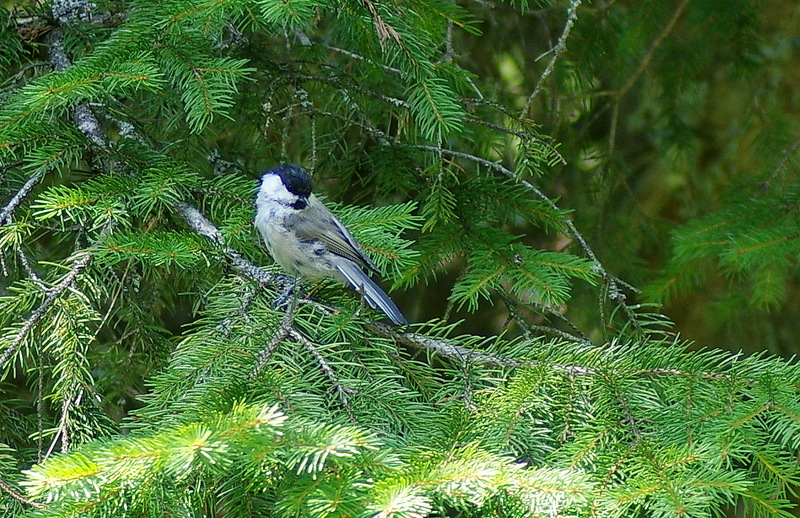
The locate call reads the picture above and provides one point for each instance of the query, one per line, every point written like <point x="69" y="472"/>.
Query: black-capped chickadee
<point x="307" y="240"/>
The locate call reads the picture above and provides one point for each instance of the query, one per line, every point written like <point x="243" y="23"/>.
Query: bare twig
<point x="26" y="265"/>
<point x="39" y="405"/>
<point x="639" y="71"/>
<point x="13" y="203"/>
<point x="304" y="100"/>
<point x="560" y="47"/>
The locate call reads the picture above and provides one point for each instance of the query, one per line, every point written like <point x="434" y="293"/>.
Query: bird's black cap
<point x="295" y="178"/>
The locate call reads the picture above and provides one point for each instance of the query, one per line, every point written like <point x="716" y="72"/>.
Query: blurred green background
<point x="665" y="111"/>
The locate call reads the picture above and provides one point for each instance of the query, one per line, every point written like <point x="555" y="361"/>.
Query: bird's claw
<point x="282" y="300"/>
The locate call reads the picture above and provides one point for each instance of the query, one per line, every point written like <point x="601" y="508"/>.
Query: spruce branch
<point x="615" y="293"/>
<point x="525" y="137"/>
<point x="200" y="224"/>
<point x="617" y="409"/>
<point x="204" y="227"/>
<point x="442" y="347"/>
<point x="58" y="57"/>
<point x="364" y="124"/>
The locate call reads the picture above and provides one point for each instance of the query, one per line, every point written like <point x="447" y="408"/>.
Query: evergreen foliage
<point x="760" y="249"/>
<point x="146" y="370"/>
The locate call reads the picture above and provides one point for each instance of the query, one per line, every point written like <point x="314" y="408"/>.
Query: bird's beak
<point x="301" y="203"/>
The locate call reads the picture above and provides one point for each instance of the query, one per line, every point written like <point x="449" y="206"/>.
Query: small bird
<point x="308" y="241"/>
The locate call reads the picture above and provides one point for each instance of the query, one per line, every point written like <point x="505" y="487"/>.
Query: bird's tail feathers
<point x="376" y="297"/>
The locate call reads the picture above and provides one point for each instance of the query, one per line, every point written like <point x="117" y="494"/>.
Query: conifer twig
<point x="200" y="224"/>
<point x="287" y="330"/>
<point x="528" y="328"/>
<point x="19" y="497"/>
<point x="366" y="60"/>
<point x="400" y="103"/>
<point x="452" y="350"/>
<point x="442" y="347"/>
<point x="787" y="155"/>
<point x="62" y="431"/>
<point x="326" y="368"/>
<point x="52" y="295"/>
<point x="280" y="333"/>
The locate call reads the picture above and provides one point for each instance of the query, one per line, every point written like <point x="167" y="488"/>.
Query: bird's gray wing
<point x="318" y="223"/>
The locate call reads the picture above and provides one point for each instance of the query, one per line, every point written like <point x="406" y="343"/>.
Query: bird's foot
<point x="282" y="300"/>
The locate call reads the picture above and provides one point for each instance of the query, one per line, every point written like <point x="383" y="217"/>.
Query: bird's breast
<point x="298" y="257"/>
